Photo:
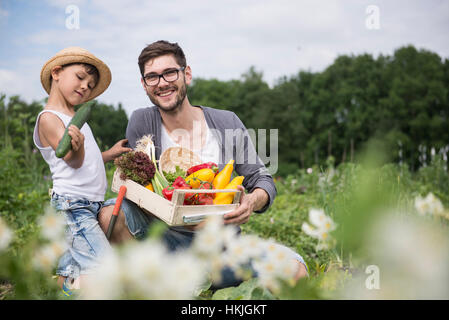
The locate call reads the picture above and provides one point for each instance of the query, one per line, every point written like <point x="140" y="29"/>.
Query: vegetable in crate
<point x="224" y="176"/>
<point x="146" y="145"/>
<point x="137" y="166"/>
<point x="227" y="197"/>
<point x="179" y="183"/>
<point x="78" y="120"/>
<point x="150" y="187"/>
<point x="171" y="176"/>
<point x="202" y="175"/>
<point x="204" y="199"/>
<point x="207" y="165"/>
<point x="167" y="192"/>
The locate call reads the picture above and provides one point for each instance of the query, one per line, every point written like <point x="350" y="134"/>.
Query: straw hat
<point x="77" y="55"/>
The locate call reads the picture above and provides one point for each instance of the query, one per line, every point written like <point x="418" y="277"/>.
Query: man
<point x="215" y="135"/>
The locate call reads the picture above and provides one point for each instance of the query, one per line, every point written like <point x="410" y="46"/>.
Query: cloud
<point x="65" y="3"/>
<point x="9" y="81"/>
<point x="14" y="83"/>
<point x="223" y="39"/>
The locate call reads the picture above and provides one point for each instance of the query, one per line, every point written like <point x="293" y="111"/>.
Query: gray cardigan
<point x="231" y="134"/>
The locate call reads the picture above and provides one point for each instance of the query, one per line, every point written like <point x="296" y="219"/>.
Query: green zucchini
<point x="78" y="120"/>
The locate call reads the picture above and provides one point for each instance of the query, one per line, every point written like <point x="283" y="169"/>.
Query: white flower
<point x="322" y="226"/>
<point x="5" y="235"/>
<point x="266" y="274"/>
<point x="144" y="266"/>
<point x="146" y="270"/>
<point x="310" y="231"/>
<point x="182" y="275"/>
<point x="106" y="281"/>
<point x="52" y="225"/>
<point x="429" y="205"/>
<point x="47" y="255"/>
<point x="309" y="170"/>
<point x="277" y="263"/>
<point x="242" y="249"/>
<point x="320" y="220"/>
<point x="210" y="239"/>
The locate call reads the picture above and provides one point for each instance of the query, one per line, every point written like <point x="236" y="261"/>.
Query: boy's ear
<point x="55" y="72"/>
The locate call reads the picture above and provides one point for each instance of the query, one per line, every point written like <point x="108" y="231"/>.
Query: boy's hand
<point x="116" y="150"/>
<point x="75" y="157"/>
<point x="77" y="137"/>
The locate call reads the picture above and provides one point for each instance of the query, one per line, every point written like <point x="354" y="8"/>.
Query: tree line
<point x="401" y="100"/>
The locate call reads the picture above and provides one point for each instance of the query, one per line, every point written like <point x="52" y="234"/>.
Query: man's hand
<point x="116" y="150"/>
<point x="248" y="204"/>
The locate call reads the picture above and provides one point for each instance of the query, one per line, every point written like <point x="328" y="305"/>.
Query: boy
<point x="74" y="76"/>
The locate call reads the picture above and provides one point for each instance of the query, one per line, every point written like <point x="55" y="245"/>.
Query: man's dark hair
<point x="160" y="48"/>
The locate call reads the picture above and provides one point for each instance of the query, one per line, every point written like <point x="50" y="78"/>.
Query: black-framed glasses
<point x="171" y="75"/>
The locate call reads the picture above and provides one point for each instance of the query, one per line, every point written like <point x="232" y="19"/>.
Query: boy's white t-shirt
<point x="87" y="182"/>
<point x="209" y="153"/>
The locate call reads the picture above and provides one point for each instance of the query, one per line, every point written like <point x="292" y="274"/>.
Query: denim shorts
<point x="138" y="223"/>
<point x="86" y="240"/>
<point x="176" y="238"/>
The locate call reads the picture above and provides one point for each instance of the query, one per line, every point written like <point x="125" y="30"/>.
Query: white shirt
<point x="87" y="182"/>
<point x="209" y="153"/>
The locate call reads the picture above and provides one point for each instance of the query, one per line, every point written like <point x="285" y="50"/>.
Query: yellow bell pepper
<point x="224" y="176"/>
<point x="202" y="175"/>
<point x="228" y="197"/>
<point x="149" y="187"/>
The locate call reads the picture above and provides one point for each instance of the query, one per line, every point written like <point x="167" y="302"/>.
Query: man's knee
<point x="120" y="232"/>
<point x="104" y="217"/>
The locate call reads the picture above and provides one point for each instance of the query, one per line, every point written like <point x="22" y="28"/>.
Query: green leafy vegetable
<point x="171" y="176"/>
<point x="136" y="166"/>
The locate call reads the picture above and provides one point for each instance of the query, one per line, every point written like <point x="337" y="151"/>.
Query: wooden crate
<point x="173" y="212"/>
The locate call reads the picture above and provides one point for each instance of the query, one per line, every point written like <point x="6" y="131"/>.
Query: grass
<point x="351" y="194"/>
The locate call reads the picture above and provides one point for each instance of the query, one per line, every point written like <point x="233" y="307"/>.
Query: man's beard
<point x="176" y="105"/>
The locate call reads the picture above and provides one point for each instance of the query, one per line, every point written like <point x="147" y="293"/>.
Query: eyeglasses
<point x="153" y="79"/>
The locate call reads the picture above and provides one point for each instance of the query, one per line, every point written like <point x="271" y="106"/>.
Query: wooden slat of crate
<point x="144" y="198"/>
<point x="180" y="211"/>
<point x="172" y="212"/>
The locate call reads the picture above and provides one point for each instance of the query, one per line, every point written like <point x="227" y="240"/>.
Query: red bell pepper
<point x="167" y="192"/>
<point x="180" y="182"/>
<point x="190" y="198"/>
<point x="207" y="165"/>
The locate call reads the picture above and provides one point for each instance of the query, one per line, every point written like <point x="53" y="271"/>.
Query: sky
<point x="221" y="39"/>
